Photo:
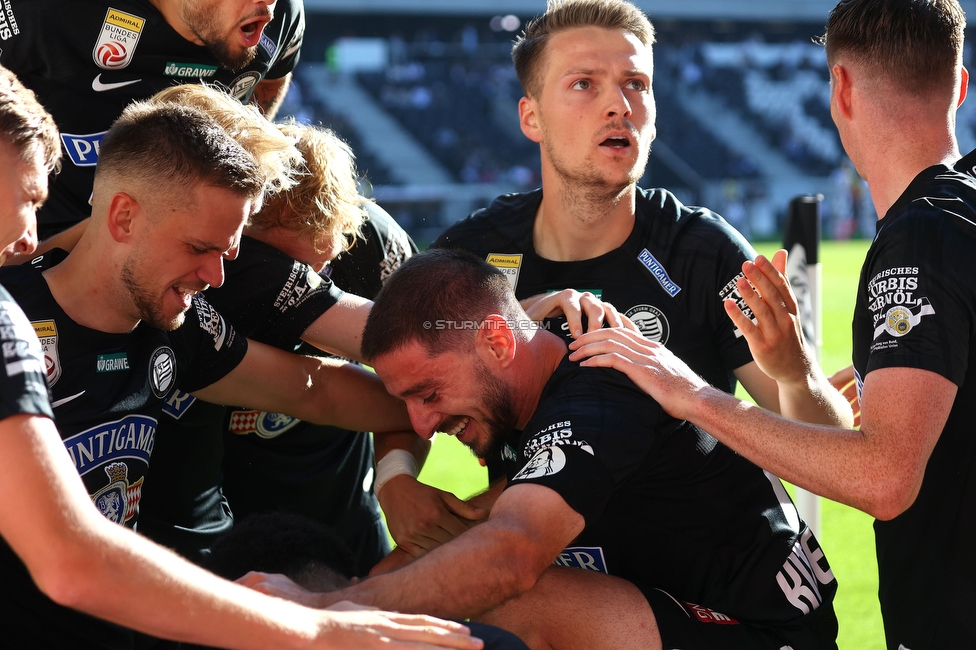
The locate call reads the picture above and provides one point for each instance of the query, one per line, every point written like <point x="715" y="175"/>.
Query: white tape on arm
<point x="398" y="461"/>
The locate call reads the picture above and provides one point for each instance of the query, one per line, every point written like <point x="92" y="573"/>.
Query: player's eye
<point x="636" y="84"/>
<point x="582" y="84"/>
<point x="430" y="398"/>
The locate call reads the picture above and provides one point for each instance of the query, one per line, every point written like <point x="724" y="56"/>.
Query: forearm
<point x="814" y="399"/>
<point x="837" y="463"/>
<point x="473" y="573"/>
<point x="347" y="396"/>
<point x="180" y="601"/>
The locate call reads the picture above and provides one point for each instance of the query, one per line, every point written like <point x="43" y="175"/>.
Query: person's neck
<point x="575" y="223"/>
<point x="895" y="160"/>
<point x="87" y="287"/>
<point x="537" y="360"/>
<point x="170" y="11"/>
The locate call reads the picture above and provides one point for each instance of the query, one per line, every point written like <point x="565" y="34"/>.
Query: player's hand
<point x="421" y="517"/>
<point x="573" y="304"/>
<point x="844" y="381"/>
<point x="394" y="560"/>
<point x="281" y="586"/>
<point x="650" y="365"/>
<point x="775" y="338"/>
<point x="347" y="625"/>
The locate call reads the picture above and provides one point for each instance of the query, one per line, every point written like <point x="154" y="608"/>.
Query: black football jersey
<point x="87" y="60"/>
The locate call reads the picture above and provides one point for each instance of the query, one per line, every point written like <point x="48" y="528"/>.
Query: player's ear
<point x="122" y="209"/>
<point x="495" y="341"/>
<point x="964" y="86"/>
<point x="529" y="119"/>
<point x="841" y="88"/>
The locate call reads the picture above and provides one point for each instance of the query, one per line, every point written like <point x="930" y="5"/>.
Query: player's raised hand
<point x="775" y="336"/>
<point x="650" y="365"/>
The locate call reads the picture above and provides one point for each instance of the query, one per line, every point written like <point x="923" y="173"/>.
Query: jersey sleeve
<point x="270" y="297"/>
<point x="23" y="388"/>
<point x="291" y="43"/>
<point x="718" y="271"/>
<point x="921" y="294"/>
<point x="207" y="347"/>
<point x="590" y="439"/>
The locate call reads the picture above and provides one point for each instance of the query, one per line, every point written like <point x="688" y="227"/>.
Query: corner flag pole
<point x="801" y="239"/>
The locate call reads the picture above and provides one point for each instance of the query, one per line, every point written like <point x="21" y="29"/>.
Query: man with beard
<point x="663" y="537"/>
<point x="87" y="60"/>
<point x="121" y="322"/>
<point x="586" y="68"/>
<point x="57" y="548"/>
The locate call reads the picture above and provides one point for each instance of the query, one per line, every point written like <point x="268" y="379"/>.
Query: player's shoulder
<point x="665" y="221"/>
<point x="506" y="222"/>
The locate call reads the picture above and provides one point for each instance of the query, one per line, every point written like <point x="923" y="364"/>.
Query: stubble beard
<point x="585" y="185"/>
<point x="147" y="308"/>
<point x="498" y="404"/>
<point x="204" y="24"/>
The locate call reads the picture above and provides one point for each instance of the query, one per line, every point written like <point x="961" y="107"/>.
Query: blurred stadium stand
<point x="425" y="93"/>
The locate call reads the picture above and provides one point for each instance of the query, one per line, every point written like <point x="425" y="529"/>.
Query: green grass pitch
<point x="847" y="536"/>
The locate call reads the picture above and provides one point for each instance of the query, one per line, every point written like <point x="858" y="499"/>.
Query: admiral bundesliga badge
<point x="117" y="39"/>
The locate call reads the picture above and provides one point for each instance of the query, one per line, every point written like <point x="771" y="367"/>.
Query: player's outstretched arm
<point x="473" y="573"/>
<point x="82" y="560"/>
<point x="877" y="469"/>
<point x="323" y="391"/>
<point x="784" y="376"/>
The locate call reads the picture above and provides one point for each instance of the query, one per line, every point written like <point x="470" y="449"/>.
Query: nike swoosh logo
<point x="99" y="86"/>
<point x="65" y="400"/>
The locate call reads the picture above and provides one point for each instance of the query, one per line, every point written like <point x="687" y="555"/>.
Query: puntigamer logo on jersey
<point x="189" y="70"/>
<point x="117" y="39"/>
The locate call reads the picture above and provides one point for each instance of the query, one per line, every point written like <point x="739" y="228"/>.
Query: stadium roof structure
<point x="750" y="10"/>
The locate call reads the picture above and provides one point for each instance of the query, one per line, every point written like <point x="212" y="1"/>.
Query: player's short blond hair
<point x="25" y="124"/>
<point x="326" y="200"/>
<point x="276" y="154"/>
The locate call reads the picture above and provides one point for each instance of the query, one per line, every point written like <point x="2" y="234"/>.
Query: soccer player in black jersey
<point x="88" y="59"/>
<point x="52" y="534"/>
<point x="896" y="78"/>
<point x="586" y="68"/>
<point x="662" y="536"/>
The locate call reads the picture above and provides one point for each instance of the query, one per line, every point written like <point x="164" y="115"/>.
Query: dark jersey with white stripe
<point x="916" y="308"/>
<point x="670" y="276"/>
<point x="87" y="60"/>
<point x="107" y="393"/>
<point x="666" y="505"/>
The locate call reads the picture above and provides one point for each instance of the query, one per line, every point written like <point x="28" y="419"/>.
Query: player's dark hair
<point x="916" y="44"/>
<point x="279" y="542"/>
<point x="179" y="146"/>
<point x="529" y="50"/>
<point x="25" y="124"/>
<point x="437" y="298"/>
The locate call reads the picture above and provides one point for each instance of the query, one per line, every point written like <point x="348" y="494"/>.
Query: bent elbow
<point x="893" y="501"/>
<point x="65" y="581"/>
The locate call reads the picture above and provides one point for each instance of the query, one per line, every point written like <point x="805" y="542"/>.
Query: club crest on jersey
<point x="117" y="39"/>
<point x="546" y="462"/>
<point x="162" y="371"/>
<point x="507" y="263"/>
<point x="47" y="333"/>
<point x="651" y="322"/>
<point x="241" y="87"/>
<point x="659" y="272"/>
<point x="263" y="424"/>
<point x="118" y="501"/>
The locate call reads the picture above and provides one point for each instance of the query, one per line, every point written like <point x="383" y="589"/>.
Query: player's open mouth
<point x="458" y="428"/>
<point x="616" y="142"/>
<point x="185" y="295"/>
<point x="251" y="31"/>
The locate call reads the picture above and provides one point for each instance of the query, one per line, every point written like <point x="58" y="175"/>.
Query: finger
<point x="742" y="322"/>
<point x="773" y="283"/>
<point x="573" y="310"/>
<point x="463" y="509"/>
<point x="629" y="324"/>
<point x="612" y="317"/>
<point x="779" y="260"/>
<point x="760" y="309"/>
<point x="595" y="311"/>
<point x="625" y="336"/>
